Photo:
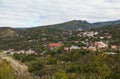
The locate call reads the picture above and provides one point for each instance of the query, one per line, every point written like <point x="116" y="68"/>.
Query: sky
<point x="28" y="13"/>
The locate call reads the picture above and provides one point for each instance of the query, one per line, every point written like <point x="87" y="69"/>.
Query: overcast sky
<point x="27" y="13"/>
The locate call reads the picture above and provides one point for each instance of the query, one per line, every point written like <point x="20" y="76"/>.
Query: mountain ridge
<point x="72" y="25"/>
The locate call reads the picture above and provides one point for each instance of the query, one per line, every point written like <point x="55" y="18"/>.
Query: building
<point x="9" y="52"/>
<point x="21" y="51"/>
<point x="91" y="48"/>
<point x="30" y="51"/>
<point x="67" y="48"/>
<point x="74" y="47"/>
<point x="113" y="46"/>
<point x="110" y="53"/>
<point x="52" y="46"/>
<point x="100" y="45"/>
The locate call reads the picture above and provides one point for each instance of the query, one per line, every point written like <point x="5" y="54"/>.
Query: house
<point x="100" y="45"/>
<point x="113" y="46"/>
<point x="110" y="53"/>
<point x="101" y="37"/>
<point x="84" y="48"/>
<point x="96" y="33"/>
<point x="92" y="48"/>
<point x="21" y="52"/>
<point x="67" y="48"/>
<point x="90" y="34"/>
<point x="30" y="51"/>
<point x="55" y="45"/>
<point x="9" y="52"/>
<point x="74" y="47"/>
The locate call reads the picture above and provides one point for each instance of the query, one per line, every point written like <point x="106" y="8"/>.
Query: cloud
<point x="27" y="13"/>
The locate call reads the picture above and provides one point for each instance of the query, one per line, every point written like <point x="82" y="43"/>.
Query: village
<point x="87" y="43"/>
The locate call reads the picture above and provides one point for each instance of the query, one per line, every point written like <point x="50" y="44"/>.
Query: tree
<point x="60" y="75"/>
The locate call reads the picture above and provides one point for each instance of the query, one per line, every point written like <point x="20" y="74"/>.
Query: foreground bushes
<point x="6" y="71"/>
<point x="76" y="64"/>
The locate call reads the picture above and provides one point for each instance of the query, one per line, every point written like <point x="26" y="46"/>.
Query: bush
<point x="51" y="61"/>
<point x="23" y="57"/>
<point x="60" y="75"/>
<point x="6" y="71"/>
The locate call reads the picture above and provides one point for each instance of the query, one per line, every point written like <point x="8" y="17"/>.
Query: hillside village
<point x="50" y="53"/>
<point x="90" y="40"/>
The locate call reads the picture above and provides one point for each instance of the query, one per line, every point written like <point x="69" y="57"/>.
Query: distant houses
<point x="30" y="51"/>
<point x="74" y="47"/>
<point x="9" y="52"/>
<point x="100" y="45"/>
<point x="110" y="53"/>
<point x="91" y="47"/>
<point x="97" y="45"/>
<point x="12" y="51"/>
<point x="21" y="51"/>
<point x="52" y="46"/>
<point x="90" y="34"/>
<point x="86" y="43"/>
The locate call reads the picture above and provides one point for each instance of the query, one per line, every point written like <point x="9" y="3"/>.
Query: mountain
<point x="81" y="24"/>
<point x="66" y="26"/>
<point x="107" y="23"/>
<point x="69" y="26"/>
<point x="73" y="25"/>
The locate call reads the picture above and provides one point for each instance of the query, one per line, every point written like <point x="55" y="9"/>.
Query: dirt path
<point x="21" y="69"/>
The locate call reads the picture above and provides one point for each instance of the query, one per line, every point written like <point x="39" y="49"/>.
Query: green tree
<point x="60" y="75"/>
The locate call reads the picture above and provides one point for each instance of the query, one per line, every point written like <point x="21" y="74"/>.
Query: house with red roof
<point x="55" y="45"/>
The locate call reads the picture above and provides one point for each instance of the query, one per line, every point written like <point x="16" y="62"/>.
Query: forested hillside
<point x="83" y="59"/>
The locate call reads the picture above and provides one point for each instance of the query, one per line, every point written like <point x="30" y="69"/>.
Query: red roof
<point x="55" y="45"/>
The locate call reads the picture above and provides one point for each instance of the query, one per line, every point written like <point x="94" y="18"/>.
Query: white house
<point x="74" y="47"/>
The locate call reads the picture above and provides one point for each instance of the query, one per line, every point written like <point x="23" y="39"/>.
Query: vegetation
<point x="6" y="70"/>
<point x="23" y="57"/>
<point x="75" y="64"/>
